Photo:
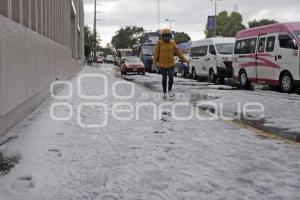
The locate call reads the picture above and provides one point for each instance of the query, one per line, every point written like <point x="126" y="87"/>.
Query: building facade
<point x="40" y="41"/>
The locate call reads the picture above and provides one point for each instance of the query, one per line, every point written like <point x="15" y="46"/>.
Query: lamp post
<point x="170" y="20"/>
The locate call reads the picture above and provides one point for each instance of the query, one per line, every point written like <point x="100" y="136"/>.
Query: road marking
<point x="258" y="132"/>
<point x="261" y="133"/>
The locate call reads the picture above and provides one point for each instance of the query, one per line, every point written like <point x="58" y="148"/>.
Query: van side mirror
<point x="295" y="44"/>
<point x="291" y="44"/>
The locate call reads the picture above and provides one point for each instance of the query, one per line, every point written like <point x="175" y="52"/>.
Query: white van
<point x="269" y="55"/>
<point x="212" y="58"/>
<point x="122" y="54"/>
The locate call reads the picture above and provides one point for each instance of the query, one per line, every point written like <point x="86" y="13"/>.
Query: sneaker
<point x="171" y="94"/>
<point x="165" y="96"/>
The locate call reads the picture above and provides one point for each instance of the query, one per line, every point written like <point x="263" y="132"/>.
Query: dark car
<point x="181" y="69"/>
<point x="132" y="64"/>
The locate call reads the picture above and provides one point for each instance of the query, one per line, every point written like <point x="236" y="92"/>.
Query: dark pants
<point x="167" y="73"/>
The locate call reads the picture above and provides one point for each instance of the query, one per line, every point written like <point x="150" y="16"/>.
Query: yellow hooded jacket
<point x="164" y="54"/>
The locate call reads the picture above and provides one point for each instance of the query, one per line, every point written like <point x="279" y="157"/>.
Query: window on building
<point x="39" y="16"/>
<point x="45" y="7"/>
<point x="33" y="15"/>
<point x="4" y="8"/>
<point x="26" y="13"/>
<point x="16" y="10"/>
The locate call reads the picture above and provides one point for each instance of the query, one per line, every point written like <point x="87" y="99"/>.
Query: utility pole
<point x="158" y="14"/>
<point x="236" y="8"/>
<point x="216" y="14"/>
<point x="170" y="20"/>
<point x="95" y="29"/>
<point x="216" y="18"/>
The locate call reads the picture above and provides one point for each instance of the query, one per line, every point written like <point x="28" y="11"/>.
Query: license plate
<point x="135" y="69"/>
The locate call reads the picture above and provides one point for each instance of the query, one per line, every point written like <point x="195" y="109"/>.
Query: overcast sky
<point x="190" y="15"/>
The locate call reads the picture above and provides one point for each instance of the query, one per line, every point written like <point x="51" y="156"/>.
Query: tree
<point x="181" y="37"/>
<point x="127" y="37"/>
<point x="89" y="41"/>
<point x="262" y="22"/>
<point x="108" y="46"/>
<point x="227" y="25"/>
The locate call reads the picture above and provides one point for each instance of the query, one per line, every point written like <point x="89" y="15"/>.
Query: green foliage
<point x="89" y="41"/>
<point x="181" y="37"/>
<point x="127" y="37"/>
<point x="262" y="22"/>
<point x="227" y="25"/>
<point x="106" y="51"/>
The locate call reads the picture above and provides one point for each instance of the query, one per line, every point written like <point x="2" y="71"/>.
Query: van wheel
<point x="193" y="74"/>
<point x="244" y="81"/>
<point x="211" y="77"/>
<point x="222" y="81"/>
<point x="286" y="82"/>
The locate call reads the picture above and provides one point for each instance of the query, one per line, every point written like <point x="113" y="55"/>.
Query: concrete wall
<point x="31" y="57"/>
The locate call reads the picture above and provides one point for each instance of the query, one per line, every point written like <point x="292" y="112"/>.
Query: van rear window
<point x="246" y="46"/>
<point x="199" y="51"/>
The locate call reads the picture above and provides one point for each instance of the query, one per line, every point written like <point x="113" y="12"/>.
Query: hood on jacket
<point x="166" y="32"/>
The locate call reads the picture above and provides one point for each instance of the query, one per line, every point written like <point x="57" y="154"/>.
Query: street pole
<point x="158" y="15"/>
<point x="215" y="18"/>
<point x="216" y="13"/>
<point x="170" y="20"/>
<point x="95" y="30"/>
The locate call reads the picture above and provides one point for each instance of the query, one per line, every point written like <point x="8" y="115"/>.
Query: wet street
<point x="145" y="158"/>
<point x="278" y="120"/>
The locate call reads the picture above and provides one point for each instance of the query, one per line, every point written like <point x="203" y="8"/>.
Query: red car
<point x="132" y="64"/>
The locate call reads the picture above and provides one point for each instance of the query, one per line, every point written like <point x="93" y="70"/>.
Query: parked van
<point x="122" y="54"/>
<point x="270" y="55"/>
<point x="212" y="58"/>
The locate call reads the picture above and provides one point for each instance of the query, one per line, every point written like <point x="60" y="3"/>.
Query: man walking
<point x="164" y="53"/>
